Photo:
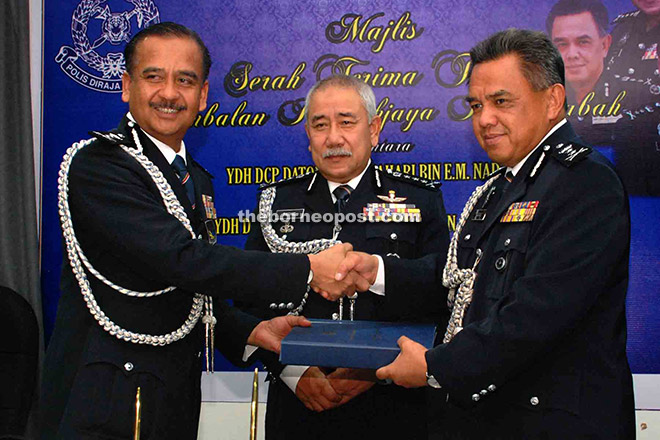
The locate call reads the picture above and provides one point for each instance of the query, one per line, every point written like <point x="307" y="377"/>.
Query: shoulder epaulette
<point x="113" y="136"/>
<point x="286" y="181"/>
<point x="203" y="169"/>
<point x="414" y="180"/>
<point x="625" y="16"/>
<point x="568" y="154"/>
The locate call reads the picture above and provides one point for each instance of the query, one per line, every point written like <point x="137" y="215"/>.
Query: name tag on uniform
<point x="520" y="212"/>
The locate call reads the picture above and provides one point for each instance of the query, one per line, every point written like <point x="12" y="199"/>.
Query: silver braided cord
<point x="463" y="279"/>
<point x="275" y="242"/>
<point x="76" y="255"/>
<point x="278" y="245"/>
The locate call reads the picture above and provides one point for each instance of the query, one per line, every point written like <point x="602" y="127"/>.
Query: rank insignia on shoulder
<point x="113" y="137"/>
<point x="570" y="154"/>
<point x="392" y="212"/>
<point x="392" y="197"/>
<point x="288" y="180"/>
<point x="627" y="15"/>
<point x="424" y="183"/>
<point x="520" y="212"/>
<point x="209" y="207"/>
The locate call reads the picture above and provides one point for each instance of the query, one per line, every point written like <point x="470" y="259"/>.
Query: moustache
<point x="337" y="152"/>
<point x="167" y="106"/>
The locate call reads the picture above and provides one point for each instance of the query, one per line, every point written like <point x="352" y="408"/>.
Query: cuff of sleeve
<point x="291" y="374"/>
<point x="378" y="286"/>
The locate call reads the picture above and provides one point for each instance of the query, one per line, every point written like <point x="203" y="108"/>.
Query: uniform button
<point x="476" y="397"/>
<point x="641" y="46"/>
<point x="483" y="392"/>
<point x="491" y="388"/>
<point x="289" y="306"/>
<point x="393" y="236"/>
<point x="500" y="263"/>
<point x="507" y="242"/>
<point x="272" y="306"/>
<point x="467" y="237"/>
<point x="199" y="354"/>
<point x="546" y="148"/>
<point x="128" y="366"/>
<point x="282" y="306"/>
<point x="199" y="237"/>
<point x="131" y="124"/>
<point x="534" y="401"/>
<point x="335" y="316"/>
<point x="656" y="72"/>
<point x="631" y="71"/>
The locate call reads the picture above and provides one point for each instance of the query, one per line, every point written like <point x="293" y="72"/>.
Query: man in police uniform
<point x="579" y="30"/>
<point x="313" y="402"/>
<point x="632" y="65"/>
<point x="133" y="226"/>
<point x="537" y="269"/>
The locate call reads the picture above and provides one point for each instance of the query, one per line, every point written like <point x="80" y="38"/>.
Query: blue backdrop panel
<point x="266" y="55"/>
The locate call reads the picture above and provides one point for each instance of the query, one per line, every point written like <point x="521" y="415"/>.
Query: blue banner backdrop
<point x="267" y="55"/>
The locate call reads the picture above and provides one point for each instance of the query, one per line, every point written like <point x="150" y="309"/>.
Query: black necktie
<point x="342" y="193"/>
<point x="180" y="167"/>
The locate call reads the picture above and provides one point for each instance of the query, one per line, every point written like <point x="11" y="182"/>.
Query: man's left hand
<point x="409" y="368"/>
<point x="351" y="382"/>
<point x="269" y="334"/>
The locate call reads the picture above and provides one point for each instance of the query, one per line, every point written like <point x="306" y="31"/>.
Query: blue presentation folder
<point x="354" y="344"/>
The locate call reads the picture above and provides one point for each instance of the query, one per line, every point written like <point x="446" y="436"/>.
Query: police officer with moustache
<point x="140" y="281"/>
<point x="537" y="270"/>
<point x="320" y="403"/>
<point x="633" y="66"/>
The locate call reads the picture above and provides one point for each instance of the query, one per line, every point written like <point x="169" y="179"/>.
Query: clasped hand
<point x="339" y="271"/>
<point x="319" y="389"/>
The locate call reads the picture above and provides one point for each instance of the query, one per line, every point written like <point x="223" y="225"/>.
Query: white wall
<point x="226" y="406"/>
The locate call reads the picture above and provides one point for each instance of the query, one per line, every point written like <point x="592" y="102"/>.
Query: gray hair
<point x="541" y="61"/>
<point x="346" y="82"/>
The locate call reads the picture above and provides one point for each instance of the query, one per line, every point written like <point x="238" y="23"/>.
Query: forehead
<point x="335" y="99"/>
<point x="501" y="74"/>
<point x="573" y="25"/>
<point x="168" y="50"/>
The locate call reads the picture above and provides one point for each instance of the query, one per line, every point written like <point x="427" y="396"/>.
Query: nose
<point x="486" y="116"/>
<point x="571" y="51"/>
<point x="169" y="90"/>
<point x="335" y="137"/>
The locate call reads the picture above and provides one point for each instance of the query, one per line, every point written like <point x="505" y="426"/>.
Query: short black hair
<point x="573" y="7"/>
<point x="167" y="29"/>
<point x="540" y="60"/>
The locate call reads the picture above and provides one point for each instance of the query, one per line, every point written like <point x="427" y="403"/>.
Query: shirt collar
<point x="520" y="164"/>
<point x="167" y="151"/>
<point x="353" y="183"/>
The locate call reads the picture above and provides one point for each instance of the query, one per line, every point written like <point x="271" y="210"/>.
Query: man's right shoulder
<point x="305" y="179"/>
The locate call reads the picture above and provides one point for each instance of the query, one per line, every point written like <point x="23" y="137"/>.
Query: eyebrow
<point x="188" y="73"/>
<point x="317" y="117"/>
<point x="587" y="36"/>
<point x="497" y="94"/>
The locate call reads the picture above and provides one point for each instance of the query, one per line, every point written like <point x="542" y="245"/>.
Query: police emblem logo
<point x="96" y="58"/>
